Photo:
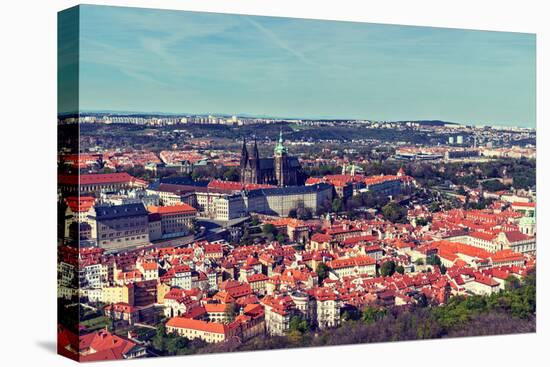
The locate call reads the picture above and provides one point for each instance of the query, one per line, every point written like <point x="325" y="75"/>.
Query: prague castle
<point x="281" y="170"/>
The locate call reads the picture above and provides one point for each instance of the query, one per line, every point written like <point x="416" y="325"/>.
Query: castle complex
<point x="281" y="170"/>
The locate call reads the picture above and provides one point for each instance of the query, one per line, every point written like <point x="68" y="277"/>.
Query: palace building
<point x="281" y="170"/>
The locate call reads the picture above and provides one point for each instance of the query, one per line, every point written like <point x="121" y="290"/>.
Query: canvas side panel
<point x="67" y="187"/>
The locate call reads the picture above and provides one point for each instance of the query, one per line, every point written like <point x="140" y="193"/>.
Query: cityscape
<point x="194" y="233"/>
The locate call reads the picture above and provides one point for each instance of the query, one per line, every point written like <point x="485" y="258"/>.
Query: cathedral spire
<point x="256" y="152"/>
<point x="280" y="148"/>
<point x="244" y="154"/>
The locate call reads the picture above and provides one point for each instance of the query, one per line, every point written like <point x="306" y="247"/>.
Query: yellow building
<point x="118" y="294"/>
<point x="162" y="290"/>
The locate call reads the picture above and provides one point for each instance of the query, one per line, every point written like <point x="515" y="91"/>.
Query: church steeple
<point x="280" y="149"/>
<point x="244" y="154"/>
<point x="256" y="153"/>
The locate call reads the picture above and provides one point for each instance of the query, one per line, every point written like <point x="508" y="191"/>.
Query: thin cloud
<point x="279" y="42"/>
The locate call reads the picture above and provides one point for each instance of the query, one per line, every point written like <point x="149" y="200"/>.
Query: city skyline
<point x="148" y="60"/>
<point x="232" y="183"/>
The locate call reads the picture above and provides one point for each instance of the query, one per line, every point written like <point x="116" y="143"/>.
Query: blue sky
<point x="173" y="61"/>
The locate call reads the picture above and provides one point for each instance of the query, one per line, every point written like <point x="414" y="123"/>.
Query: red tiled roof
<point x="526" y="205"/>
<point x="216" y="307"/>
<point x="447" y="249"/>
<point x="107" y="346"/>
<point x="313" y="180"/>
<point x="97" y="178"/>
<point x="506" y="255"/>
<point x="149" y="266"/>
<point x="213" y="248"/>
<point x="172" y="209"/>
<point x="483" y="279"/>
<point x="121" y="307"/>
<point x="352" y="261"/>
<point x="235" y="186"/>
<point x="321" y="238"/>
<point x="186" y="323"/>
<point x="80" y="203"/>
<point x="516" y="236"/>
<point x="257" y="278"/>
<point x="483" y="236"/>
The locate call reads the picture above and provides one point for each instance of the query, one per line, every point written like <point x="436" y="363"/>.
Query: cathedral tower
<point x="245" y="173"/>
<point x="281" y="162"/>
<point x="255" y="163"/>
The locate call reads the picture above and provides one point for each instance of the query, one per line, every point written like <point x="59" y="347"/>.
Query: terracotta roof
<point x="483" y="236"/>
<point x="172" y="209"/>
<point x="80" y="203"/>
<point x="516" y="236"/>
<point x="235" y="186"/>
<point x="216" y="307"/>
<point x="107" y="346"/>
<point x="352" y="261"/>
<point x="149" y="266"/>
<point x="121" y="307"/>
<point x="483" y="279"/>
<point x="186" y="323"/>
<point x="321" y="238"/>
<point x="506" y="255"/>
<point x="257" y="278"/>
<point x="447" y="249"/>
<point x="98" y="178"/>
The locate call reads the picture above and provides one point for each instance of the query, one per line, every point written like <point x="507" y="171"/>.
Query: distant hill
<point x="430" y="122"/>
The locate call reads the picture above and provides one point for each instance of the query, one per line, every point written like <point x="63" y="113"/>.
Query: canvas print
<point x="234" y="183"/>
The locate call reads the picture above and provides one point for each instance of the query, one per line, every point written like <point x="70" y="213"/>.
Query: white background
<point x="27" y="175"/>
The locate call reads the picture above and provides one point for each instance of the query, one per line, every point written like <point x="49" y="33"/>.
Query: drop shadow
<point x="48" y="345"/>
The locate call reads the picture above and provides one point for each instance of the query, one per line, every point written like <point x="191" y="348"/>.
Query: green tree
<point x="298" y="324"/>
<point x="269" y="229"/>
<point x="231" y="311"/>
<point x="493" y="185"/>
<point x="395" y="213"/>
<point x="511" y="283"/>
<point x="337" y="205"/>
<point x="372" y="315"/>
<point x="175" y="344"/>
<point x="112" y="318"/>
<point x="322" y="271"/>
<point x="351" y="314"/>
<point x="158" y="340"/>
<point x="231" y="174"/>
<point x="303" y="213"/>
<point x="387" y="269"/>
<point x="421" y="222"/>
<point x="433" y="260"/>
<point x="400" y="269"/>
<point x="246" y="238"/>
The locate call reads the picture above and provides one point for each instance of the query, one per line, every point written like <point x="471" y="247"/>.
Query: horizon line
<point x="267" y="116"/>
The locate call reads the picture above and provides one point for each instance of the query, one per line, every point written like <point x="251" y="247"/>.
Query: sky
<point x="147" y="60"/>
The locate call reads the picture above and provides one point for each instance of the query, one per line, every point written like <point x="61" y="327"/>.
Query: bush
<point x="387" y="269"/>
<point x="395" y="213"/>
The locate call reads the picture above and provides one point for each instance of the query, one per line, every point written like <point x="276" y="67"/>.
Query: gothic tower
<point x="281" y="162"/>
<point x="255" y="166"/>
<point x="244" y="163"/>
